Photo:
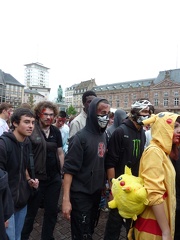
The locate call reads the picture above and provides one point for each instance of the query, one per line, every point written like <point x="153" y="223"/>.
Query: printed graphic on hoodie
<point x="101" y="149"/>
<point x="136" y="147"/>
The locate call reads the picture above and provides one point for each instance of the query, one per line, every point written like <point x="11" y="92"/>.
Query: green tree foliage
<point x="71" y="111"/>
<point x="31" y="100"/>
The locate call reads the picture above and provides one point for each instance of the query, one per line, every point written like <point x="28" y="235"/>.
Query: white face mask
<point x="103" y="120"/>
<point x="142" y="118"/>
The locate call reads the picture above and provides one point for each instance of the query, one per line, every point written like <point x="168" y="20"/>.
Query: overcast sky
<point x="109" y="40"/>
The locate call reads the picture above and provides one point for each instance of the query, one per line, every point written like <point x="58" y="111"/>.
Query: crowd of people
<point x="41" y="154"/>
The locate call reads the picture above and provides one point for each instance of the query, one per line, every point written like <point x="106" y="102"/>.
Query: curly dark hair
<point x="45" y="104"/>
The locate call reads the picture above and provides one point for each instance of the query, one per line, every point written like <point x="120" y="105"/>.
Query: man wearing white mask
<point x="84" y="173"/>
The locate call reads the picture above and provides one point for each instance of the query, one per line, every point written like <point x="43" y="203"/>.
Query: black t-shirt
<point x="45" y="151"/>
<point x="54" y="141"/>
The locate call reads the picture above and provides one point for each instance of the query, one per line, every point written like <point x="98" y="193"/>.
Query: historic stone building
<point x="42" y="90"/>
<point x="69" y="100"/>
<point x="73" y="94"/>
<point x="163" y="91"/>
<point x="11" y="90"/>
<point x="37" y="97"/>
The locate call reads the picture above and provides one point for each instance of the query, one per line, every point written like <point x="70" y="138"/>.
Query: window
<point x="156" y="95"/>
<point x="176" y="101"/>
<point x="125" y="99"/>
<point x="166" y="94"/>
<point x="176" y="93"/>
<point x="146" y="95"/>
<point x="125" y="104"/>
<point x="165" y="101"/>
<point x="117" y="103"/>
<point x="156" y="102"/>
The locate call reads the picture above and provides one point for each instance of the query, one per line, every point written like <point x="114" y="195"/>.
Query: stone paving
<point x="62" y="229"/>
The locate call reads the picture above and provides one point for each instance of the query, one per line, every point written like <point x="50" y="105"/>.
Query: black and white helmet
<point x="141" y="105"/>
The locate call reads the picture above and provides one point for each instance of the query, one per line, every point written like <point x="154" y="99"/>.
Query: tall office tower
<point x="35" y="74"/>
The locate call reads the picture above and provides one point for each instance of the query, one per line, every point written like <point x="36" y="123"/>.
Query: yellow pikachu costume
<point x="129" y="195"/>
<point x="158" y="175"/>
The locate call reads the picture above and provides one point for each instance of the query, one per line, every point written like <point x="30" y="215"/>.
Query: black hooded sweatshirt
<point x="86" y="154"/>
<point x="15" y="163"/>
<point x="125" y="147"/>
<point x="119" y="116"/>
<point x="6" y="203"/>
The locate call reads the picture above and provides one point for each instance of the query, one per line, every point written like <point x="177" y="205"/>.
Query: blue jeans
<point x="15" y="224"/>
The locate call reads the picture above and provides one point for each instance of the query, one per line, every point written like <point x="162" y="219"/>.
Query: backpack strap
<point x="8" y="145"/>
<point x="31" y="161"/>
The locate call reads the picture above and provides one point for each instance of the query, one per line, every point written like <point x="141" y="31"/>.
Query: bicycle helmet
<point x="139" y="106"/>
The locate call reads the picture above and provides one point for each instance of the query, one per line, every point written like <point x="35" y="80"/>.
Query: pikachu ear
<point x="150" y="120"/>
<point x="127" y="170"/>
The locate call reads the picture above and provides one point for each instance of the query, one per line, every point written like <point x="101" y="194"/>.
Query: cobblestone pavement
<point x="62" y="229"/>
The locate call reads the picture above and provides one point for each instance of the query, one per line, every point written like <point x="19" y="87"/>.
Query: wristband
<point x="28" y="179"/>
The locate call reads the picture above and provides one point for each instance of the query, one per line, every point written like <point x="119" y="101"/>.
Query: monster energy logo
<point x="136" y="147"/>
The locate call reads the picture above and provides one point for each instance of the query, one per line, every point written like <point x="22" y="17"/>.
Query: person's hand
<point x="33" y="183"/>
<point x="66" y="209"/>
<point x="6" y="224"/>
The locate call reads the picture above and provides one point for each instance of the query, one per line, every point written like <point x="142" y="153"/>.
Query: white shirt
<point x="65" y="136"/>
<point x="77" y="123"/>
<point x="3" y="126"/>
<point x="148" y="138"/>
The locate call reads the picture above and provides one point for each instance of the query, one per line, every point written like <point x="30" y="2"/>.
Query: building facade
<point x="69" y="95"/>
<point x="37" y="97"/>
<point x="77" y="92"/>
<point x="35" y="74"/>
<point x="162" y="91"/>
<point x="11" y="91"/>
<point x="42" y="90"/>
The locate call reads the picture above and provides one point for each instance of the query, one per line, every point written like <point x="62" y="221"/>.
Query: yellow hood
<point x="162" y="129"/>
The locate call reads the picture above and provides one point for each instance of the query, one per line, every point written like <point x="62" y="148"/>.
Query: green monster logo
<point x="136" y="147"/>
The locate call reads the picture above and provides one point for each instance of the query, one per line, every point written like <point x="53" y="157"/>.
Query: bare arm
<point x="161" y="218"/>
<point x="61" y="156"/>
<point x="32" y="182"/>
<point x="66" y="204"/>
<point x="110" y="175"/>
